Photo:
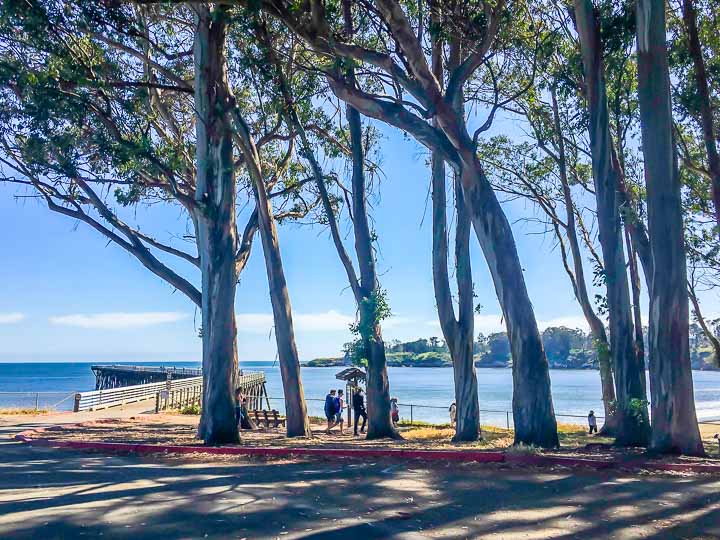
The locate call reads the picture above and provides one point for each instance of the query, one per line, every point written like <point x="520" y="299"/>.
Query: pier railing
<point x="171" y="394"/>
<point x="117" y="397"/>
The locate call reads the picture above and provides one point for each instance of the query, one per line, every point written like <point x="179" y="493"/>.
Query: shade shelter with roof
<point x="353" y="377"/>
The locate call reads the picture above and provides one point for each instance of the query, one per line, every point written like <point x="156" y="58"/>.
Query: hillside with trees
<point x="566" y="348"/>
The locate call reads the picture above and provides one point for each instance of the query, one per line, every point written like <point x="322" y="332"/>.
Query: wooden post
<point x="348" y="402"/>
<point x="76" y="406"/>
<point x="264" y="392"/>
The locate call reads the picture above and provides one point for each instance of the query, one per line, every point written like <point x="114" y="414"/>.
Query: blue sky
<point x="67" y="295"/>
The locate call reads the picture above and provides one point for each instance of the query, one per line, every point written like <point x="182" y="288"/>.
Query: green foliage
<point x="373" y="310"/>
<point x="193" y="409"/>
<point x="638" y="409"/>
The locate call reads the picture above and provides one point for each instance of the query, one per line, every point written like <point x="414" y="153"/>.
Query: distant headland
<point x="566" y="348"/>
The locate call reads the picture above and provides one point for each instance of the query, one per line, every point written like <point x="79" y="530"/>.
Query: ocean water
<point x="423" y="393"/>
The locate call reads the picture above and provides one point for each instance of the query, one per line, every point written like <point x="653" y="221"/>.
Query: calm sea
<point x="430" y="390"/>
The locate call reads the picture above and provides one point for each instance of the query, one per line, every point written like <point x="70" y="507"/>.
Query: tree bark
<point x="635" y="288"/>
<point x="674" y="422"/>
<point x="706" y="110"/>
<point x="297" y="423"/>
<point x="216" y="231"/>
<point x="533" y="413"/>
<point x="378" y="387"/>
<point x="633" y="428"/>
<point x="458" y="332"/>
<point x="577" y="277"/>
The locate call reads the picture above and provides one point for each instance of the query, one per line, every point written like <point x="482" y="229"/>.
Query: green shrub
<point x="190" y="409"/>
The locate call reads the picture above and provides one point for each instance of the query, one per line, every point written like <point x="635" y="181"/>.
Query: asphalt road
<point x="56" y="494"/>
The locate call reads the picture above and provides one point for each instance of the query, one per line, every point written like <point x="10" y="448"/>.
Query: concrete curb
<point x="474" y="456"/>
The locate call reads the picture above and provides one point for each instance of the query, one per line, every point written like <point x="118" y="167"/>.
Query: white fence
<point x="116" y="397"/>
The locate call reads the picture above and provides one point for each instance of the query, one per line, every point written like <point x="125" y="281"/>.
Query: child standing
<point x="592" y="422"/>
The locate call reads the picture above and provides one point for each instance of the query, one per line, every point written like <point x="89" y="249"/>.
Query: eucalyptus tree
<point x="98" y="118"/>
<point x="369" y="296"/>
<point x="556" y="179"/>
<point x="458" y="331"/>
<point x="394" y="83"/>
<point x="633" y="423"/>
<point x="674" y="421"/>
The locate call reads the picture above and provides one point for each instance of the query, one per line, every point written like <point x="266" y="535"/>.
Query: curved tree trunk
<point x="217" y="235"/>
<point x="378" y="387"/>
<point x="297" y="422"/>
<point x="633" y="427"/>
<point x="533" y="413"/>
<point x="577" y="278"/>
<point x="674" y="422"/>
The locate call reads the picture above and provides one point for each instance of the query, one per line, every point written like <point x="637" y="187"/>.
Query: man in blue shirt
<point x="330" y="410"/>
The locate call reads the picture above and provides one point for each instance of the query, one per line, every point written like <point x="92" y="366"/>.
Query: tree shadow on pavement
<point x="51" y="493"/>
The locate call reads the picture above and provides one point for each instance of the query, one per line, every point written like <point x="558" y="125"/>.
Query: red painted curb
<point x="476" y="456"/>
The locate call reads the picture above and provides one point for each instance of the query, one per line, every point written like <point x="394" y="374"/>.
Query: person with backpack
<point x="358" y="405"/>
<point x="330" y="410"/>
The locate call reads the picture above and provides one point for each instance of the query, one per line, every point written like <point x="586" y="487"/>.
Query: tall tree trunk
<point x="378" y="387"/>
<point x="674" y="422"/>
<point x="533" y="412"/>
<point x="577" y="277"/>
<point x="217" y="234"/>
<point x="633" y="426"/>
<point x="706" y="110"/>
<point x="458" y="332"/>
<point x="297" y="422"/>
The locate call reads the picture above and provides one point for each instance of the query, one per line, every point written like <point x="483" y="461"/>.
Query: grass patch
<point x="32" y="411"/>
<point x="429" y="434"/>
<point x="193" y="409"/>
<point x="404" y="422"/>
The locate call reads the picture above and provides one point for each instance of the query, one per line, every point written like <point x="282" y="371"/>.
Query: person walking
<point x="358" y="405"/>
<point x="238" y="406"/>
<point x="394" y="411"/>
<point x="340" y="402"/>
<point x="330" y="410"/>
<point x="592" y="422"/>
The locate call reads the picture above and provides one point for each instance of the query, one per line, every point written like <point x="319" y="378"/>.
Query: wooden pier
<point x="119" y="376"/>
<point x="172" y="387"/>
